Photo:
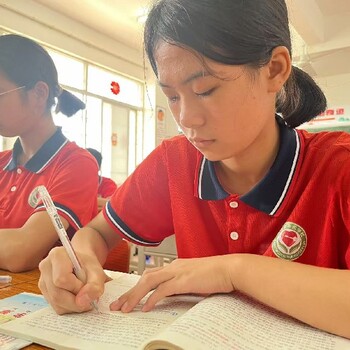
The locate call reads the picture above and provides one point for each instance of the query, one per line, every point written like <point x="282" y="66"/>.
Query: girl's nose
<point x="190" y="116"/>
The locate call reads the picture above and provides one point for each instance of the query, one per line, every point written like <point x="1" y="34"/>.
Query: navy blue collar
<point x="42" y="158"/>
<point x="269" y="193"/>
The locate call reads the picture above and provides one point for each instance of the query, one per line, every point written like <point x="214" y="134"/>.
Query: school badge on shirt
<point x="34" y="197"/>
<point x="290" y="242"/>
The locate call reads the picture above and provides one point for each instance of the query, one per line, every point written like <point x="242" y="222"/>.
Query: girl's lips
<point x="202" y="143"/>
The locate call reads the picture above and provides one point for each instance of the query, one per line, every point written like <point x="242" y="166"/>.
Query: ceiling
<point x="321" y="39"/>
<point x="114" y="18"/>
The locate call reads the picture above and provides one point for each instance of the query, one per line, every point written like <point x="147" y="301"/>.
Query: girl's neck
<point x="240" y="174"/>
<point x="33" y="139"/>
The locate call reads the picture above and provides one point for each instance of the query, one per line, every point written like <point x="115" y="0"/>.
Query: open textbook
<point x="14" y="307"/>
<point x="223" y="322"/>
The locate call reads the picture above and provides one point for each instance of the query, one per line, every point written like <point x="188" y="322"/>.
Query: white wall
<point x="44" y="25"/>
<point x="336" y="89"/>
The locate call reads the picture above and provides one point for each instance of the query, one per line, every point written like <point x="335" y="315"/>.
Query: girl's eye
<point x="205" y="93"/>
<point x="173" y="99"/>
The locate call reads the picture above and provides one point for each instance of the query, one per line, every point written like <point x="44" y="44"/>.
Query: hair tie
<point x="59" y="90"/>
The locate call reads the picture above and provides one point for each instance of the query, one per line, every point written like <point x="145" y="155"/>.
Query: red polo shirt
<point x="106" y="187"/>
<point x="300" y="211"/>
<point x="69" y="173"/>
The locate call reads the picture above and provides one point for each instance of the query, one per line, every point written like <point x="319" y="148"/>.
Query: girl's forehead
<point x="166" y="52"/>
<point x="177" y="65"/>
<point x="177" y="62"/>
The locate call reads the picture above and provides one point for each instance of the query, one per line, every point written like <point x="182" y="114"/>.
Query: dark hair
<point x="235" y="32"/>
<point x="97" y="155"/>
<point x="25" y="62"/>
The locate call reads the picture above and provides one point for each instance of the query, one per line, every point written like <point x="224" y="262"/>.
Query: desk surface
<point x="22" y="282"/>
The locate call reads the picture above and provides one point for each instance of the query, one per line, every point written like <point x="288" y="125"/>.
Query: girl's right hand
<point x="62" y="289"/>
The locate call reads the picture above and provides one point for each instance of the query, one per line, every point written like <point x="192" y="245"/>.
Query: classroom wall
<point x="336" y="88"/>
<point x="53" y="29"/>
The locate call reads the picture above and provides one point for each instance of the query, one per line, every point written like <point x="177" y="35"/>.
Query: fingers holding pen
<point x="60" y="286"/>
<point x="57" y="282"/>
<point x="94" y="287"/>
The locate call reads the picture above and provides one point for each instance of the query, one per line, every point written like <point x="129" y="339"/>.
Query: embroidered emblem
<point x="290" y="242"/>
<point x="34" y="197"/>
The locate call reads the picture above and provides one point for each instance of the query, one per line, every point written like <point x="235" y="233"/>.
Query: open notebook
<point x="223" y="322"/>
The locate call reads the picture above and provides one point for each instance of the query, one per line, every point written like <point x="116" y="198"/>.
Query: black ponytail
<point x="68" y="104"/>
<point x="25" y="62"/>
<point x="301" y="99"/>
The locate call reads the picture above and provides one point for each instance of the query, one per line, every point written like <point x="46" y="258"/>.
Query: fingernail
<point x="145" y="308"/>
<point x="114" y="306"/>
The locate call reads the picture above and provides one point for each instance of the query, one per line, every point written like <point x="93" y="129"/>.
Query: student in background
<point x="256" y="205"/>
<point x="106" y="185"/>
<point x="41" y="156"/>
<point x="118" y="258"/>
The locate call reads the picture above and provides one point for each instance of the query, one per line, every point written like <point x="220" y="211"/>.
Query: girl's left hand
<point x="196" y="275"/>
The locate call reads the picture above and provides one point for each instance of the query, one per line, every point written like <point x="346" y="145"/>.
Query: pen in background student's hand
<point x="62" y="234"/>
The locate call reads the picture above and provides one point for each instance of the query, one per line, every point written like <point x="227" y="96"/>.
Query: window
<point x="74" y="127"/>
<point x="70" y="70"/>
<point x="99" y="83"/>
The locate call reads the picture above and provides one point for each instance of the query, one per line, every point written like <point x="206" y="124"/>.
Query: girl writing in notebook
<point x="41" y="155"/>
<point x="256" y="205"/>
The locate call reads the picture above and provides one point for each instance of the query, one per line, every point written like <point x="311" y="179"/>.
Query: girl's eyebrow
<point x="194" y="76"/>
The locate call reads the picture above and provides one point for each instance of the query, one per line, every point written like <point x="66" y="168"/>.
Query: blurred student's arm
<point x="22" y="249"/>
<point x="101" y="202"/>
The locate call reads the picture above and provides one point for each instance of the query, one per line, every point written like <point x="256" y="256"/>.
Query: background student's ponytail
<point x="25" y="62"/>
<point x="301" y="99"/>
<point x="68" y="104"/>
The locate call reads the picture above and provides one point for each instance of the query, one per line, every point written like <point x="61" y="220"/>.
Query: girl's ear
<point x="41" y="93"/>
<point x="279" y="68"/>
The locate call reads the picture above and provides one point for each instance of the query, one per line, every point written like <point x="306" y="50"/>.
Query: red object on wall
<point x="340" y="111"/>
<point x="114" y="139"/>
<point x="115" y="88"/>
